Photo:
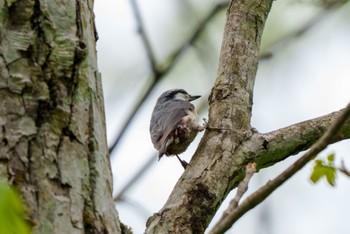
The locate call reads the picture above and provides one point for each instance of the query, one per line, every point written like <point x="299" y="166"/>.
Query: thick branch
<point x="260" y="195"/>
<point x="270" y="148"/>
<point x="214" y="169"/>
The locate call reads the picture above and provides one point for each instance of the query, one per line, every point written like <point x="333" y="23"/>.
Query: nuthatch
<point x="174" y="123"/>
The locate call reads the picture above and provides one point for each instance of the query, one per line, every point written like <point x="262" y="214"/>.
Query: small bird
<point x="174" y="123"/>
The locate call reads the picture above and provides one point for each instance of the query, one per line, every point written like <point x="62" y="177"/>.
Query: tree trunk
<point x="219" y="161"/>
<point x="52" y="137"/>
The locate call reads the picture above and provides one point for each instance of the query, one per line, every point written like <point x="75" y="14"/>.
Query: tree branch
<point x="269" y="148"/>
<point x="260" y="195"/>
<point x="142" y="31"/>
<point x="343" y="169"/>
<point x="329" y="8"/>
<point x="242" y="188"/>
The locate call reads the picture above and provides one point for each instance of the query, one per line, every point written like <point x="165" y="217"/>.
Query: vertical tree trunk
<point x="52" y="136"/>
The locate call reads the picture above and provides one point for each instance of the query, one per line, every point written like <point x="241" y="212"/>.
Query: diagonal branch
<point x="242" y="188"/>
<point x="327" y="10"/>
<point x="260" y="195"/>
<point x="142" y="31"/>
<point x="269" y="148"/>
<point x="343" y="169"/>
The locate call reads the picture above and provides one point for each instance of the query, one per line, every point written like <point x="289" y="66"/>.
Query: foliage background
<point x="306" y="76"/>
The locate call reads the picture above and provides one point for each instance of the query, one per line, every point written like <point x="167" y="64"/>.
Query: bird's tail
<point x="160" y="155"/>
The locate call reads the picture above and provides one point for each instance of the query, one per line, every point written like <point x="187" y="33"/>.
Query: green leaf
<point x="330" y="159"/>
<point x="322" y="170"/>
<point x="11" y="212"/>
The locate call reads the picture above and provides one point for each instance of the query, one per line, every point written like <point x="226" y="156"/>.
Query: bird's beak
<point x="194" y="97"/>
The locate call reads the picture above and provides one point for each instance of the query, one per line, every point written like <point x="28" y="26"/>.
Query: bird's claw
<point x="205" y="124"/>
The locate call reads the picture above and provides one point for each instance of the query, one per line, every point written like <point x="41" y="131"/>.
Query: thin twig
<point x="343" y="169"/>
<point x="152" y="60"/>
<point x="242" y="187"/>
<point x="151" y="160"/>
<point x="261" y="194"/>
<point x="315" y="20"/>
<point x="196" y="33"/>
<point x="143" y="34"/>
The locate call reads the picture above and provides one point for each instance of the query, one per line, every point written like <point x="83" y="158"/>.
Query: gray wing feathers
<point x="164" y="123"/>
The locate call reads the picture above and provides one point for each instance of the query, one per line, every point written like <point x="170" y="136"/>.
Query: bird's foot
<point x="184" y="128"/>
<point x="204" y="126"/>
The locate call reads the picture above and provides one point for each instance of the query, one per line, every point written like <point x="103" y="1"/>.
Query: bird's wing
<point x="167" y="122"/>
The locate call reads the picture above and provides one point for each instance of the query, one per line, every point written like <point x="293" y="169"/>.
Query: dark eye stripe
<point x="182" y="91"/>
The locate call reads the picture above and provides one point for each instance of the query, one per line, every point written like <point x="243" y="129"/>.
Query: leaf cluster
<point x="324" y="169"/>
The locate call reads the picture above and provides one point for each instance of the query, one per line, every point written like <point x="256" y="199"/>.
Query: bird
<point x="173" y="124"/>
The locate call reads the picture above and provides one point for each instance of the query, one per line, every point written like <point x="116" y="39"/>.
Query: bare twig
<point x="242" y="188"/>
<point x="261" y="194"/>
<point x="315" y="20"/>
<point x="151" y="160"/>
<point x="143" y="34"/>
<point x="343" y="169"/>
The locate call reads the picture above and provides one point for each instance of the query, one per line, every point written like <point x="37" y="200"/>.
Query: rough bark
<point x="52" y="137"/>
<point x="219" y="161"/>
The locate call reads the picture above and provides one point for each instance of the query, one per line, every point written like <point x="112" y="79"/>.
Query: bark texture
<point x="52" y="127"/>
<point x="219" y="161"/>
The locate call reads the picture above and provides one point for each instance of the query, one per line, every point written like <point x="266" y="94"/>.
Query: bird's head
<point x="178" y="94"/>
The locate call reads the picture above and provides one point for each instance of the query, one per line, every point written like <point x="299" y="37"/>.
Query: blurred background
<point x="148" y="47"/>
